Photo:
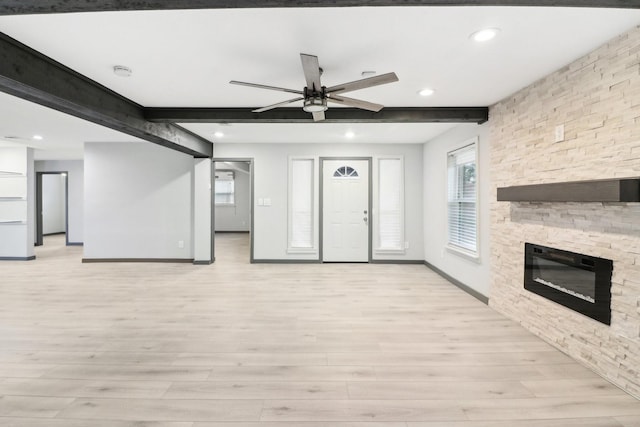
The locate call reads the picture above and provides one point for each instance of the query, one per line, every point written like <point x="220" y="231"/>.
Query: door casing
<point x="321" y="209"/>
<point x="248" y="160"/>
<point x="39" y="233"/>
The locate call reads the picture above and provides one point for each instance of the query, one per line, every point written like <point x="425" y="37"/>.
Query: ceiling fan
<point x="315" y="96"/>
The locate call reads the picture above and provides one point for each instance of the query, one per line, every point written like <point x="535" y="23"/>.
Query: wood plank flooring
<point x="263" y="345"/>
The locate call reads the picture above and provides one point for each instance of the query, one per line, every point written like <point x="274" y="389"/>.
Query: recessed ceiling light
<point x="485" y="35"/>
<point x="37" y="137"/>
<point x="218" y="134"/>
<point x="426" y="92"/>
<point x="122" y="71"/>
<point x="349" y="134"/>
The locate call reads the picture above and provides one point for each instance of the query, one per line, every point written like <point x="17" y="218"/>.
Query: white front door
<point x="345" y="211"/>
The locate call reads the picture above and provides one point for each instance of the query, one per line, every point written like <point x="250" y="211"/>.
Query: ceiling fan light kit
<point x="315" y="96"/>
<point x="315" y="105"/>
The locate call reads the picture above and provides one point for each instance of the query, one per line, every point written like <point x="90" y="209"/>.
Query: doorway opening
<point x="345" y="209"/>
<point x="52" y="205"/>
<point x="233" y="210"/>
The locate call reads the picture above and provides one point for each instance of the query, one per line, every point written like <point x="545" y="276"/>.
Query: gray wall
<point x="202" y="229"/>
<point x="237" y="217"/>
<point x="270" y="175"/>
<point x="473" y="273"/>
<point x="138" y="201"/>
<point x="75" y="177"/>
<point x="53" y="204"/>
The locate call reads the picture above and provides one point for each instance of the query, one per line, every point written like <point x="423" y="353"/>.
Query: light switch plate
<point x="559" y="134"/>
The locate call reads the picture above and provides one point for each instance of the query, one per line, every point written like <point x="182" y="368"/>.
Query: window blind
<point x="390" y="204"/>
<point x="301" y="204"/>
<point x="462" y="185"/>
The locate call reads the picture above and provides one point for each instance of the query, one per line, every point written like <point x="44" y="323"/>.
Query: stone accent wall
<point x="597" y="98"/>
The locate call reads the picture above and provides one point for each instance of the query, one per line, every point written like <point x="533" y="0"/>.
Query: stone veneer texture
<point x="597" y="98"/>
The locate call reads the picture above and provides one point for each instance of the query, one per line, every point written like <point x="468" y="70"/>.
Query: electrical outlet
<point x="181" y="244"/>
<point x="406" y="245"/>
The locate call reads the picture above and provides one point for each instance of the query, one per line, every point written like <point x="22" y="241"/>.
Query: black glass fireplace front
<point x="579" y="282"/>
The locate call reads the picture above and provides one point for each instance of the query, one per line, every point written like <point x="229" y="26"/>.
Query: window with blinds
<point x="390" y="218"/>
<point x="225" y="188"/>
<point x="462" y="198"/>
<point x="301" y="205"/>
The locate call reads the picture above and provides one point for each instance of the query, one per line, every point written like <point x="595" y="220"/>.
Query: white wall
<point x="238" y="216"/>
<point x="53" y="203"/>
<point x="472" y="273"/>
<point x="17" y="202"/>
<point x="138" y="201"/>
<point x="75" y="178"/>
<point x="270" y="176"/>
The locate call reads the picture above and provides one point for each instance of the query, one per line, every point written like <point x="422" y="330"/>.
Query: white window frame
<point x="472" y="254"/>
<point x="223" y="204"/>
<point x="377" y="210"/>
<point x="313" y="248"/>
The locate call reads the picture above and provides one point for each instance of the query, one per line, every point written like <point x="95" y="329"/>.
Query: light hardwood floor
<point x="234" y="344"/>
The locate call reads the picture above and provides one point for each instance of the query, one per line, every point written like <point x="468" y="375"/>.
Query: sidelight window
<point x="301" y="205"/>
<point x="389" y="223"/>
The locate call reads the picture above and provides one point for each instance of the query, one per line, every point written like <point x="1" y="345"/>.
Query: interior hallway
<point x="305" y="345"/>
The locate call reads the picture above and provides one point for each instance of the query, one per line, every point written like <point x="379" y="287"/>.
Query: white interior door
<point x="345" y="211"/>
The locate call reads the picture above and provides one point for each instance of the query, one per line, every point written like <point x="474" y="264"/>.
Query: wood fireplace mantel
<point x="602" y="190"/>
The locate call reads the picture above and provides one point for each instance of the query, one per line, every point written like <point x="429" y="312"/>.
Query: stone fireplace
<point x="597" y="100"/>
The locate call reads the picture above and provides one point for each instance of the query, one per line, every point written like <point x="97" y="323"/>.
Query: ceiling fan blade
<point x="279" y="104"/>
<point x="311" y="68"/>
<point x="281" y="89"/>
<point x="365" y="105"/>
<point x="364" y="83"/>
<point x="318" y="116"/>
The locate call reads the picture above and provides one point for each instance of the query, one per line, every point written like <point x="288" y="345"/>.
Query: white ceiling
<point x="370" y="133"/>
<point x="186" y="58"/>
<point x="63" y="135"/>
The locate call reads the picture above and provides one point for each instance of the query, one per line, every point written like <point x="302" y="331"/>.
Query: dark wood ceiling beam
<point x="20" y="7"/>
<point x="333" y="115"/>
<point x="30" y="75"/>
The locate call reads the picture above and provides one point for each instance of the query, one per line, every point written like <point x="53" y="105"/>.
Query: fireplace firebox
<point x="576" y="281"/>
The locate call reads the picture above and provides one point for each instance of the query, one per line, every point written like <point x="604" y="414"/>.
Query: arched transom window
<point x="345" y="172"/>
